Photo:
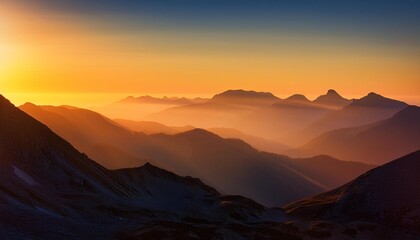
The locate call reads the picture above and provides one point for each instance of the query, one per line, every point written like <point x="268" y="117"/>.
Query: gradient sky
<point x="91" y="51"/>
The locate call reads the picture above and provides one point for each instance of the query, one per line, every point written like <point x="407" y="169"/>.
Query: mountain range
<point x="47" y="182"/>
<point x="291" y="122"/>
<point x="259" y="143"/>
<point x="375" y="143"/>
<point x="230" y="165"/>
<point x="49" y="190"/>
<point x="332" y="99"/>
<point x="368" y="109"/>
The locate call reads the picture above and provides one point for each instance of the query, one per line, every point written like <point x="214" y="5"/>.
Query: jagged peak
<point x="332" y="98"/>
<point x="332" y="92"/>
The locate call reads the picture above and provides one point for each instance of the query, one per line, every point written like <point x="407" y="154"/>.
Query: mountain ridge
<point x="384" y="195"/>
<point x="377" y="143"/>
<point x="332" y="98"/>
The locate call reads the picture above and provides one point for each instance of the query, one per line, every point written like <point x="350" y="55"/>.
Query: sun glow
<point x="7" y="49"/>
<point x="3" y="48"/>
<point x="54" y="53"/>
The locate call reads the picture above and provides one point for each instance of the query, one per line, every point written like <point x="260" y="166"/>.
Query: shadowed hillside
<point x="375" y="143"/>
<point x="387" y="195"/>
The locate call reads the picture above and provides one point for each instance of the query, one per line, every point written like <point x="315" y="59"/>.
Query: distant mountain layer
<point x="163" y="100"/>
<point x="261" y="114"/>
<point x="256" y="142"/>
<point x="230" y="165"/>
<point x="282" y="118"/>
<point x="204" y="115"/>
<point x="223" y="110"/>
<point x="136" y="108"/>
<point x="243" y="97"/>
<point x="387" y="195"/>
<point x="148" y="127"/>
<point x="376" y="143"/>
<point x="368" y="109"/>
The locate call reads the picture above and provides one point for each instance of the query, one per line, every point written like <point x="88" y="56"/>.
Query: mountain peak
<point x="298" y="98"/>
<point x="29" y="105"/>
<point x="374" y="94"/>
<point x="332" y="98"/>
<point x="332" y="92"/>
<point x="198" y="132"/>
<point x="147" y="170"/>
<point x="376" y="100"/>
<point x="129" y="99"/>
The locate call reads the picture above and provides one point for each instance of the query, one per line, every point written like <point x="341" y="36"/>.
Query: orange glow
<point x="67" y="55"/>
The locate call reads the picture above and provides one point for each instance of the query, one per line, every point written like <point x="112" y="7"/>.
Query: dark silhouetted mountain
<point x="376" y="143"/>
<point x="332" y="99"/>
<point x="89" y="132"/>
<point x="197" y="153"/>
<point x="387" y="195"/>
<point x="49" y="189"/>
<point x="368" y="109"/>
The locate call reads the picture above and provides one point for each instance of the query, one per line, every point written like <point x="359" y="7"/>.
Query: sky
<point x="86" y="52"/>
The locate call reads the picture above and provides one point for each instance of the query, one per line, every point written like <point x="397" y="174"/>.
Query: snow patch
<point x="24" y="176"/>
